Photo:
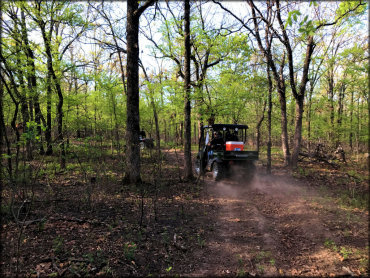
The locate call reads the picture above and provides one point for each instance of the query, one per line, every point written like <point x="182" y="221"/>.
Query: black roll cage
<point x="223" y="128"/>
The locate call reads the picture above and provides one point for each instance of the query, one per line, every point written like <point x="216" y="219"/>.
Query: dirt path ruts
<point x="266" y="227"/>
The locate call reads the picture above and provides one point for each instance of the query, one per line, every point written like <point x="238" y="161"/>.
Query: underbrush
<point x="83" y="221"/>
<point x="347" y="185"/>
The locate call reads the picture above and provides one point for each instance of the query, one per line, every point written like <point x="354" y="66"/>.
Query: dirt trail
<point x="266" y="227"/>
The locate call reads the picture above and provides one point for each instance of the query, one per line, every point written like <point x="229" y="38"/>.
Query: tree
<point x="307" y="30"/>
<point x="32" y="79"/>
<point x="59" y="14"/>
<point x="132" y="104"/>
<point x="2" y="125"/>
<point x="187" y="108"/>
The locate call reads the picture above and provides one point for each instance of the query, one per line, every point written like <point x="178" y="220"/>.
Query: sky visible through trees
<point x="86" y="71"/>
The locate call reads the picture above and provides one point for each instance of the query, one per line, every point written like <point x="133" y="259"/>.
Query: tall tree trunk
<point x="56" y="82"/>
<point x="132" y="100"/>
<point x="78" y="131"/>
<point x="32" y="83"/>
<point x="284" y="127"/>
<point x="3" y="130"/>
<point x="331" y="104"/>
<point x="279" y="79"/>
<point x="132" y="174"/>
<point x="358" y="127"/>
<point x="309" y="107"/>
<point x="13" y="124"/>
<point x="49" y="146"/>
<point x="351" y="121"/>
<point x="278" y="76"/>
<point x="342" y="90"/>
<point x="60" y="122"/>
<point x="23" y="97"/>
<point x="269" y="112"/>
<point x="188" y="171"/>
<point x="299" y="97"/>
<point x="165" y="131"/>
<point x="258" y="127"/>
<point x="2" y="125"/>
<point x="298" y="130"/>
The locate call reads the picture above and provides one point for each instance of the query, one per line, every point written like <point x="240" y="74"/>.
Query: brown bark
<point x="165" y="131"/>
<point x="340" y="113"/>
<point x="32" y="82"/>
<point x="132" y="104"/>
<point x="258" y="127"/>
<point x="132" y="100"/>
<point x="12" y="93"/>
<point x="300" y="101"/>
<point x="331" y="100"/>
<point x="309" y="112"/>
<point x="188" y="171"/>
<point x="52" y="75"/>
<point x="269" y="112"/>
<point x="278" y="76"/>
<point x="298" y="95"/>
<point x="351" y="121"/>
<point x="2" y="126"/>
<point x="49" y="146"/>
<point x="23" y="97"/>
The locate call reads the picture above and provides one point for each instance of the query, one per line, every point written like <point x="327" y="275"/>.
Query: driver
<point x="217" y="140"/>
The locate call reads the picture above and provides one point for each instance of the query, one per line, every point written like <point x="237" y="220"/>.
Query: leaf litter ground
<point x="271" y="226"/>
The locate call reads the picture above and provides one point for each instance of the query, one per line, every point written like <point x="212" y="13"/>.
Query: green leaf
<point x="289" y="21"/>
<point x="6" y="156"/>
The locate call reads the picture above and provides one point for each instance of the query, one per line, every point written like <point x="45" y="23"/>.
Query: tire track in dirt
<point x="267" y="228"/>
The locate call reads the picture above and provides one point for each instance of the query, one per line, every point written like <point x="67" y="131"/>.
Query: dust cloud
<point x="264" y="214"/>
<point x="237" y="185"/>
<point x="276" y="186"/>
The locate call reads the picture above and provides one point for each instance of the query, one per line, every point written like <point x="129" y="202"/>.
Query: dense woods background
<point x="79" y="80"/>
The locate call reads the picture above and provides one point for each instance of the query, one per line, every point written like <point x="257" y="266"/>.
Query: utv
<point x="222" y="152"/>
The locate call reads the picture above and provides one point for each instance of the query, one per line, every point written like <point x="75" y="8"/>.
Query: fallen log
<point x="320" y="158"/>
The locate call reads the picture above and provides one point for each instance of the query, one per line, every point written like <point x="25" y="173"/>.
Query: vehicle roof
<point x="221" y="126"/>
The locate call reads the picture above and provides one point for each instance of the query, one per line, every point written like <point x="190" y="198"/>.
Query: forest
<point x="103" y="106"/>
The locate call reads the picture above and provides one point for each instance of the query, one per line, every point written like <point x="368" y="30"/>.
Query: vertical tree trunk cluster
<point x="53" y="79"/>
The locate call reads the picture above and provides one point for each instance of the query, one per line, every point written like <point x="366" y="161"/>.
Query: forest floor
<point x="84" y="222"/>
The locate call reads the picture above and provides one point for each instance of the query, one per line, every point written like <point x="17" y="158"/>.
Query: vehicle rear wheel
<point x="217" y="171"/>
